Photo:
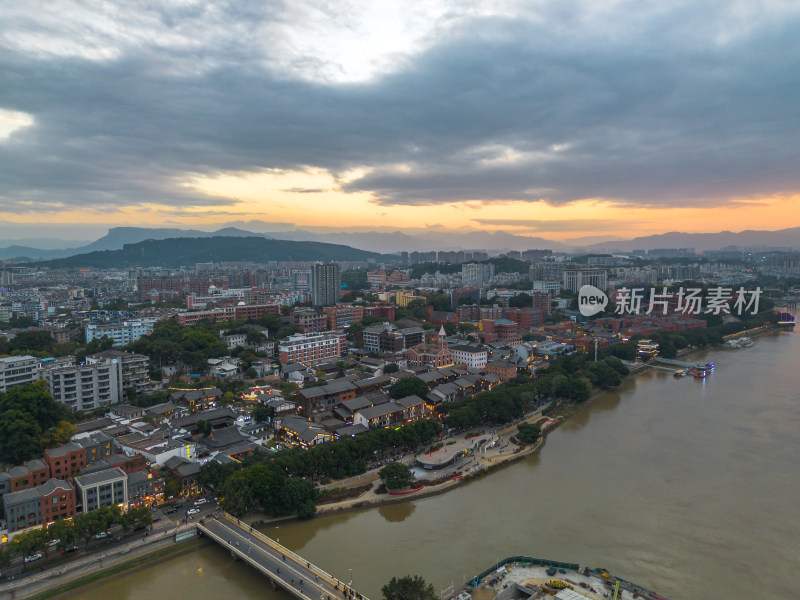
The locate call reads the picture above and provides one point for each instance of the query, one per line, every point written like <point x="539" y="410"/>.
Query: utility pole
<point x="596" y="342"/>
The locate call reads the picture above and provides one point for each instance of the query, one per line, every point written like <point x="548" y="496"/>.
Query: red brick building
<point x="58" y="500"/>
<point x="65" y="460"/>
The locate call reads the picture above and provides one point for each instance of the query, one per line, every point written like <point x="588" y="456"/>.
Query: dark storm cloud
<point x="662" y="108"/>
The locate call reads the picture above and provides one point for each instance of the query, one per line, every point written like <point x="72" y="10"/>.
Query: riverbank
<point x="82" y="573"/>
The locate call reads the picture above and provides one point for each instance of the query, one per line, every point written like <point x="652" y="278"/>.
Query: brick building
<point x="312" y="347"/>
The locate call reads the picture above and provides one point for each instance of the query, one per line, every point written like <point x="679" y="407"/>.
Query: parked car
<point x="102" y="535"/>
<point x="193" y="511"/>
<point x="53" y="543"/>
<point x="69" y="549"/>
<point x="200" y="501"/>
<point x="33" y="557"/>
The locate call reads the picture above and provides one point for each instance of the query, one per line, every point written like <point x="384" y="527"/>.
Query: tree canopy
<point x="409" y="587"/>
<point x="408" y="386"/>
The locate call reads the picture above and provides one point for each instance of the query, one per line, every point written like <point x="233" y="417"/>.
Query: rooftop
<point x="92" y="479"/>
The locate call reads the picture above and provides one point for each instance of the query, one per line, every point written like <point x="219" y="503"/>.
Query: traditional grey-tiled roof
<point x="223" y="437"/>
<point x="161" y="409"/>
<point x="206" y="415"/>
<point x="194" y="395"/>
<point x="350" y="430"/>
<point x="380" y="410"/>
<point x="410" y="401"/>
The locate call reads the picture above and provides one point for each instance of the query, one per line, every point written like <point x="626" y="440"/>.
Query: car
<point x="156" y="520"/>
<point x="192" y="511"/>
<point x="70" y="549"/>
<point x="562" y="571"/>
<point x="102" y="535"/>
<point x="200" y="501"/>
<point x="53" y="543"/>
<point x="33" y="557"/>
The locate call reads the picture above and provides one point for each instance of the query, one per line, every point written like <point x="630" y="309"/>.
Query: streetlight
<point x="278" y="534"/>
<point x="351" y="578"/>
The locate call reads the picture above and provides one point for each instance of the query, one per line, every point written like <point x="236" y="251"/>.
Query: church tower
<point x="442" y="341"/>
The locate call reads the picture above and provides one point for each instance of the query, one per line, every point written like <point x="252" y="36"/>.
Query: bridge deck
<point x="677" y="363"/>
<point x="281" y="565"/>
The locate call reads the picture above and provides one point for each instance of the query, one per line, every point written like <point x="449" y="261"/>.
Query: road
<point x="300" y="578"/>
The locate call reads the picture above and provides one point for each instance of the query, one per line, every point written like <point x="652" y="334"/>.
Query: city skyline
<point x="599" y="120"/>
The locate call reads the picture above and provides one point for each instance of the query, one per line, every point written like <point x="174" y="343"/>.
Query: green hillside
<point x="175" y="252"/>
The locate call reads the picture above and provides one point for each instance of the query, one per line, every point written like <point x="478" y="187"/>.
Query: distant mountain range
<point x="176" y="252"/>
<point x="397" y="241"/>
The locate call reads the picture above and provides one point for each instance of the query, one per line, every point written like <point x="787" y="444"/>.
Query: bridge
<point x="673" y="363"/>
<point x="282" y="567"/>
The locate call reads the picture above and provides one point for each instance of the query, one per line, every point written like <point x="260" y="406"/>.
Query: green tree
<point x="408" y="386"/>
<point x="35" y="401"/>
<point x="528" y="433"/>
<point x="20" y="437"/>
<point x="408" y="588"/>
<point x="59" y="435"/>
<point x="262" y="414"/>
<point x="204" y="427"/>
<point x="395" y="475"/>
<point x="32" y="341"/>
<point x="522" y="300"/>
<point x="390" y="368"/>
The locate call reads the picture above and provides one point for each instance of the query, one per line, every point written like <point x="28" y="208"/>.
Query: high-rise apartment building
<point x="476" y="274"/>
<point x="86" y="387"/>
<point x="18" y="370"/>
<point x="326" y="283"/>
<point x="576" y="278"/>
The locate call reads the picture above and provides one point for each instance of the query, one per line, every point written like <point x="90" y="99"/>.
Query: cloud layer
<point x="681" y="104"/>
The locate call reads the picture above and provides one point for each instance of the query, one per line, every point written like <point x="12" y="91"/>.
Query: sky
<point x="558" y="119"/>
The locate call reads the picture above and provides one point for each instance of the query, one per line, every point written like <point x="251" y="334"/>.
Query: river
<point x="687" y="487"/>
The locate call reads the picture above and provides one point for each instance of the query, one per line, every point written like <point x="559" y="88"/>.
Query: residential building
<point x="313" y="399"/>
<point x="97" y="445"/>
<point x="28" y="475"/>
<point x="144" y="488"/>
<point x="342" y="316"/>
<point x="66" y="460"/>
<point x="376" y="279"/>
<point x="474" y="357"/>
<point x="226" y="313"/>
<point x="135" y="368"/>
<point x="234" y="340"/>
<point x="575" y="278"/>
<point x="390" y="413"/>
<point x="326" y="284"/>
<point x="388" y="338"/>
<point x="86" y="387"/>
<point x="302" y="432"/>
<point x="103" y="488"/>
<point x="122" y="333"/>
<point x="18" y="370"/>
<point x="309" y="320"/>
<point x="312" y="347"/>
<point x="476" y="274"/>
<point x="505" y="370"/>
<point x="54" y="499"/>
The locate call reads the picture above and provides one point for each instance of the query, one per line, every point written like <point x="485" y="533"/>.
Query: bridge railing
<point x="251" y="561"/>
<point x="286" y="551"/>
